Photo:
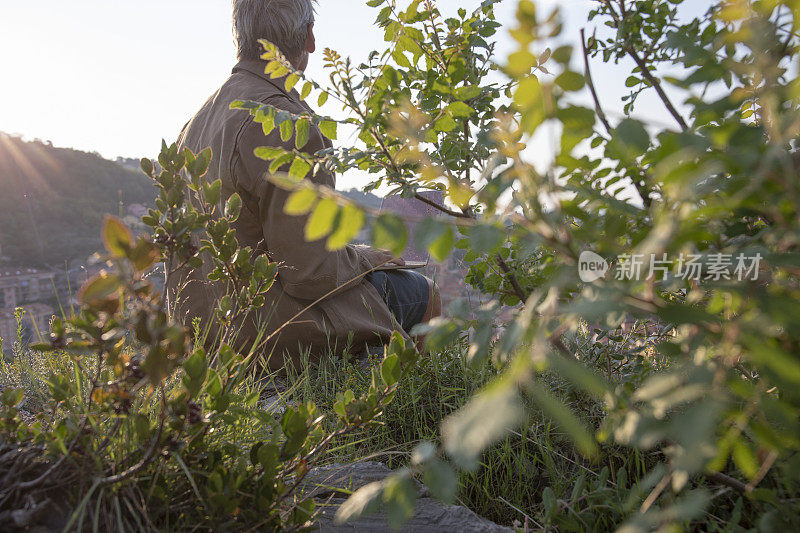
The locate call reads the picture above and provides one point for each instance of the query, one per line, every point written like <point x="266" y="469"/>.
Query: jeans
<point x="406" y="292"/>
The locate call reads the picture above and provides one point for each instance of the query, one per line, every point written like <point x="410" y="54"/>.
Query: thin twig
<point x="512" y="278"/>
<point x="590" y="82"/>
<point x="651" y="499"/>
<point x="646" y="74"/>
<point x="728" y="481"/>
<point x="441" y="208"/>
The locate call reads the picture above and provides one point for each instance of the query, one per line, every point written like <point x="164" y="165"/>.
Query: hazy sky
<point x="116" y="76"/>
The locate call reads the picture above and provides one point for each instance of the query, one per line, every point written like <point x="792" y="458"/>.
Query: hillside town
<point x="27" y="289"/>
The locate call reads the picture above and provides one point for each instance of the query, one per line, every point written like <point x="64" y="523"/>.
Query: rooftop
<point x="11" y="272"/>
<point x="30" y="309"/>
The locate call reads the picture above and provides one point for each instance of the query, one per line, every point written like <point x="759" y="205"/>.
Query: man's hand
<point x="377" y="257"/>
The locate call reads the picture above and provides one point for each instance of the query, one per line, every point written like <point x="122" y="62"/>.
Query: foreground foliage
<point x="711" y="204"/>
<point x="651" y="401"/>
<point x="154" y="431"/>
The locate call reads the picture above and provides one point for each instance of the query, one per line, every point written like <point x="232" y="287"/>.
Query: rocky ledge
<point x="430" y="516"/>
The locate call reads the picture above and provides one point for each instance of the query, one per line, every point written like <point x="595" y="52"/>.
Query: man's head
<point x="289" y="24"/>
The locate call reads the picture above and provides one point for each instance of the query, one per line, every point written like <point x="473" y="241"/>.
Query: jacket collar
<point x="257" y="68"/>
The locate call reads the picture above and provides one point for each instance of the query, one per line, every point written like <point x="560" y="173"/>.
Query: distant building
<point x="25" y="288"/>
<point x="18" y="285"/>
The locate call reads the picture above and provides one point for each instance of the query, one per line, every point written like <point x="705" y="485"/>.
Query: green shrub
<point x="152" y="431"/>
<point x="718" y="191"/>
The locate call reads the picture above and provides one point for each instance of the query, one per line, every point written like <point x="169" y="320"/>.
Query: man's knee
<point x="434" y="302"/>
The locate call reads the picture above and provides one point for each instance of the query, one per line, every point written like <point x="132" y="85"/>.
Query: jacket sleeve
<point x="308" y="270"/>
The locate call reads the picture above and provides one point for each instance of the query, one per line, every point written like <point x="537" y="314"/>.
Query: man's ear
<point x="311" y="40"/>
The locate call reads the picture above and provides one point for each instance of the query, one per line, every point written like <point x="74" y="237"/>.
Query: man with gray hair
<point x="332" y="298"/>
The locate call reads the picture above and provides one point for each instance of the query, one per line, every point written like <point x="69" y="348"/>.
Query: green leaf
<point x="551" y="505"/>
<point x="435" y="236"/>
<point x="485" y="419"/>
<point x="266" y="117"/>
<point x="323" y="97"/>
<point x="307" y="88"/>
<point x="197" y="166"/>
<point x="484" y="238"/>
<point x="629" y="141"/>
<point x="468" y="93"/>
<point x="141" y="427"/>
<point x="196" y="365"/>
<point x="286" y="128"/>
<point x="632" y="81"/>
<point x="520" y="63"/>
<point x="267" y="456"/>
<point x="745" y="459"/>
<point x="268" y="153"/>
<point x="117" y="237"/>
<point x="321" y="221"/>
<point x="441" y="479"/>
<point x="445" y="124"/>
<point x="280" y="161"/>
<point x="565" y="418"/>
<point x="577" y="118"/>
<point x="295" y="427"/>
<point x="400" y="497"/>
<point x="390" y="370"/>
<point x="212" y="192"/>
<point x="351" y="221"/>
<point x="291" y="81"/>
<point x="147" y="166"/>
<point x="213" y="384"/>
<point x="389" y="232"/>
<point x="329" y="129"/>
<point x="459" y="110"/>
<point x="233" y="207"/>
<point x="13" y="397"/>
<point x="300" y="202"/>
<point x="570" y="81"/>
<point x="100" y="288"/>
<point x="363" y="502"/>
<point x="299" y="169"/>
<point x="303" y="128"/>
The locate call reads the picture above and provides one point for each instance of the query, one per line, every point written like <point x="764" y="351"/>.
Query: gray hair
<point x="282" y="22"/>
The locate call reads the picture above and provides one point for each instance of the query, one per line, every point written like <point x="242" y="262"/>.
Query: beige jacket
<point x="355" y="312"/>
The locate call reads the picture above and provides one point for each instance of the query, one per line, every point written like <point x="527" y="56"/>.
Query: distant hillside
<point x="366" y="199"/>
<point x="52" y="200"/>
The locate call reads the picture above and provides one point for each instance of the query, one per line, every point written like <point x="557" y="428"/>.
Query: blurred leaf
<point x="628" y="141"/>
<point x="400" y="497"/>
<point x="436" y="236"/>
<point x="486" y="418"/>
<point x="117" y="237"/>
<point x="300" y="202"/>
<point x="363" y="502"/>
<point x="100" y="288"/>
<point x="441" y="479"/>
<point x="351" y="221"/>
<point x="389" y="233"/>
<point x="564" y="417"/>
<point x="320" y="223"/>
<point x="570" y="81"/>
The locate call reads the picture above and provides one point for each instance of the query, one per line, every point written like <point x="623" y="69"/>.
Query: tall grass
<point x="534" y="478"/>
